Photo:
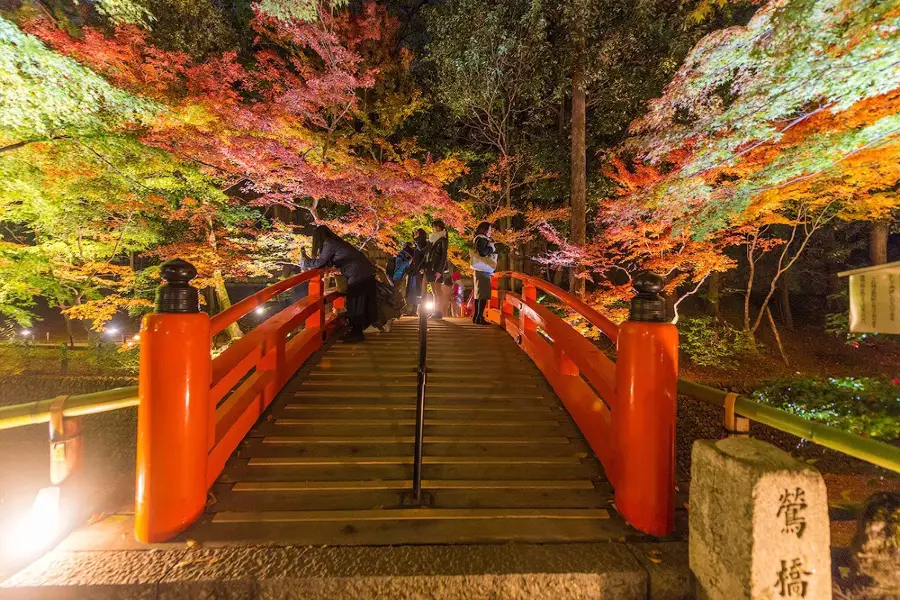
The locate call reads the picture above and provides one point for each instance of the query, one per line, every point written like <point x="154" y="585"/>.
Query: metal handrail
<point x="421" y="380"/>
<point x="872" y="451"/>
<point x="31" y="413"/>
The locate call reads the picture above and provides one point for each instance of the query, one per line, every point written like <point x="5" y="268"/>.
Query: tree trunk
<point x="784" y="355"/>
<point x="558" y="277"/>
<point x="212" y="306"/>
<point x="878" y="240"/>
<point x="224" y="302"/>
<point x="68" y="321"/>
<point x="784" y="301"/>
<point x="579" y="172"/>
<point x="714" y="294"/>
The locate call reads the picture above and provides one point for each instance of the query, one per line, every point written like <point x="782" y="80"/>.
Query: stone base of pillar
<point x="758" y="523"/>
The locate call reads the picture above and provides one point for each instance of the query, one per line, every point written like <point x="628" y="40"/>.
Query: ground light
<point x="261" y="310"/>
<point x="39" y="528"/>
<point x="429" y="305"/>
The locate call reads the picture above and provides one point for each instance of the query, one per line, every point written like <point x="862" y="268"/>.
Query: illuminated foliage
<point x="766" y="133"/>
<point x="148" y="140"/>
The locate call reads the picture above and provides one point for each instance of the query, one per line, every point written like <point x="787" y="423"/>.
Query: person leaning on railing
<point x="484" y="263"/>
<point x="328" y="250"/>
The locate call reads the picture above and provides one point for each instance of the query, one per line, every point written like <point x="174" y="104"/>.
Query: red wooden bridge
<point x="533" y="436"/>
<point x="289" y="460"/>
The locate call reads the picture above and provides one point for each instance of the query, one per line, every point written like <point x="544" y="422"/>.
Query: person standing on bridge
<point x="437" y="268"/>
<point x="329" y="250"/>
<point x="484" y="263"/>
<point x="415" y="271"/>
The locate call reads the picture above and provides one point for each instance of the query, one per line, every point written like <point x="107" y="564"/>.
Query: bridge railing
<point x="625" y="409"/>
<point x="737" y="408"/>
<point x="195" y="409"/>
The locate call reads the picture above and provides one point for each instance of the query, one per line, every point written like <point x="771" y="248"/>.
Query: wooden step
<point x="464" y="431"/>
<point x="461" y="411"/>
<point x="257" y="448"/>
<point x="356" y="421"/>
<point x="394" y="439"/>
<point x="441" y="385"/>
<point x="342" y="395"/>
<point x="436" y="404"/>
<point x="585" y="471"/>
<point x="414" y="526"/>
<point x="393" y="499"/>
<point x="430" y="484"/>
<point x="408" y="460"/>
<point x="411" y="514"/>
<point x="435" y="375"/>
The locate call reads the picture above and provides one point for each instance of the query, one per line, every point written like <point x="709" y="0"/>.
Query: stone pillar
<point x="758" y="523"/>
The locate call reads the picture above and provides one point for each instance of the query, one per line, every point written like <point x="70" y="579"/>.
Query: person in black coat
<point x="415" y="271"/>
<point x="437" y="268"/>
<point x="329" y="250"/>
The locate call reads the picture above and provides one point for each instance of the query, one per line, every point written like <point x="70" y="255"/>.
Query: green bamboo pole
<point x="75" y="406"/>
<point x="867" y="449"/>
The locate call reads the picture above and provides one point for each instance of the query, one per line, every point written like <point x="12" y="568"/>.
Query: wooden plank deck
<point x="329" y="462"/>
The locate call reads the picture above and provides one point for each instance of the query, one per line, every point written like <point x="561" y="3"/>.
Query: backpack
<point x="390" y="304"/>
<point x="397" y="266"/>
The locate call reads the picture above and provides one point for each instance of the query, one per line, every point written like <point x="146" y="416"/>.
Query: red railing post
<point x="317" y="290"/>
<point x="495" y="302"/>
<point x="174" y="412"/>
<point x="526" y="325"/>
<point x="643" y="418"/>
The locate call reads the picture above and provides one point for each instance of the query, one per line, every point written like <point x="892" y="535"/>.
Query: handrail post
<point x="174" y="413"/>
<point x="317" y="319"/>
<point x="644" y="416"/>
<point x="526" y="325"/>
<point x="496" y="301"/>
<point x="66" y="443"/>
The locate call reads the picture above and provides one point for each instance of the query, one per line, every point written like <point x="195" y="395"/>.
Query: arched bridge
<point x="288" y="465"/>
<point x="435" y="432"/>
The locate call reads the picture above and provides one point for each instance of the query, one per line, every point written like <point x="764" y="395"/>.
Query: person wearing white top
<point x="484" y="263"/>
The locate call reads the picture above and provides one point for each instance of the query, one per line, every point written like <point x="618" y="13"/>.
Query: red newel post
<point x="174" y="412"/>
<point x="644" y="417"/>
<point x="529" y="296"/>
<point x="317" y="290"/>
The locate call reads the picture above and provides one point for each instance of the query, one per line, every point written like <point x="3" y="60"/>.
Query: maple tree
<point x="283" y="126"/>
<point x="766" y="134"/>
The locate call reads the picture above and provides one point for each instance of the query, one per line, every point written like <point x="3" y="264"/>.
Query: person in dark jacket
<point x="484" y="263"/>
<point x="329" y="250"/>
<point x="437" y="268"/>
<point x="415" y="270"/>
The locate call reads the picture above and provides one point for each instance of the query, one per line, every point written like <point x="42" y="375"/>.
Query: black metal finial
<point x="648" y="305"/>
<point x="176" y="295"/>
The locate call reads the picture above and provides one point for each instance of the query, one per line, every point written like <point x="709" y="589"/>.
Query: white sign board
<point x="875" y="301"/>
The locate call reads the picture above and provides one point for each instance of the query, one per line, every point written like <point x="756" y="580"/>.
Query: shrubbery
<point x="709" y="343"/>
<point x="865" y="406"/>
